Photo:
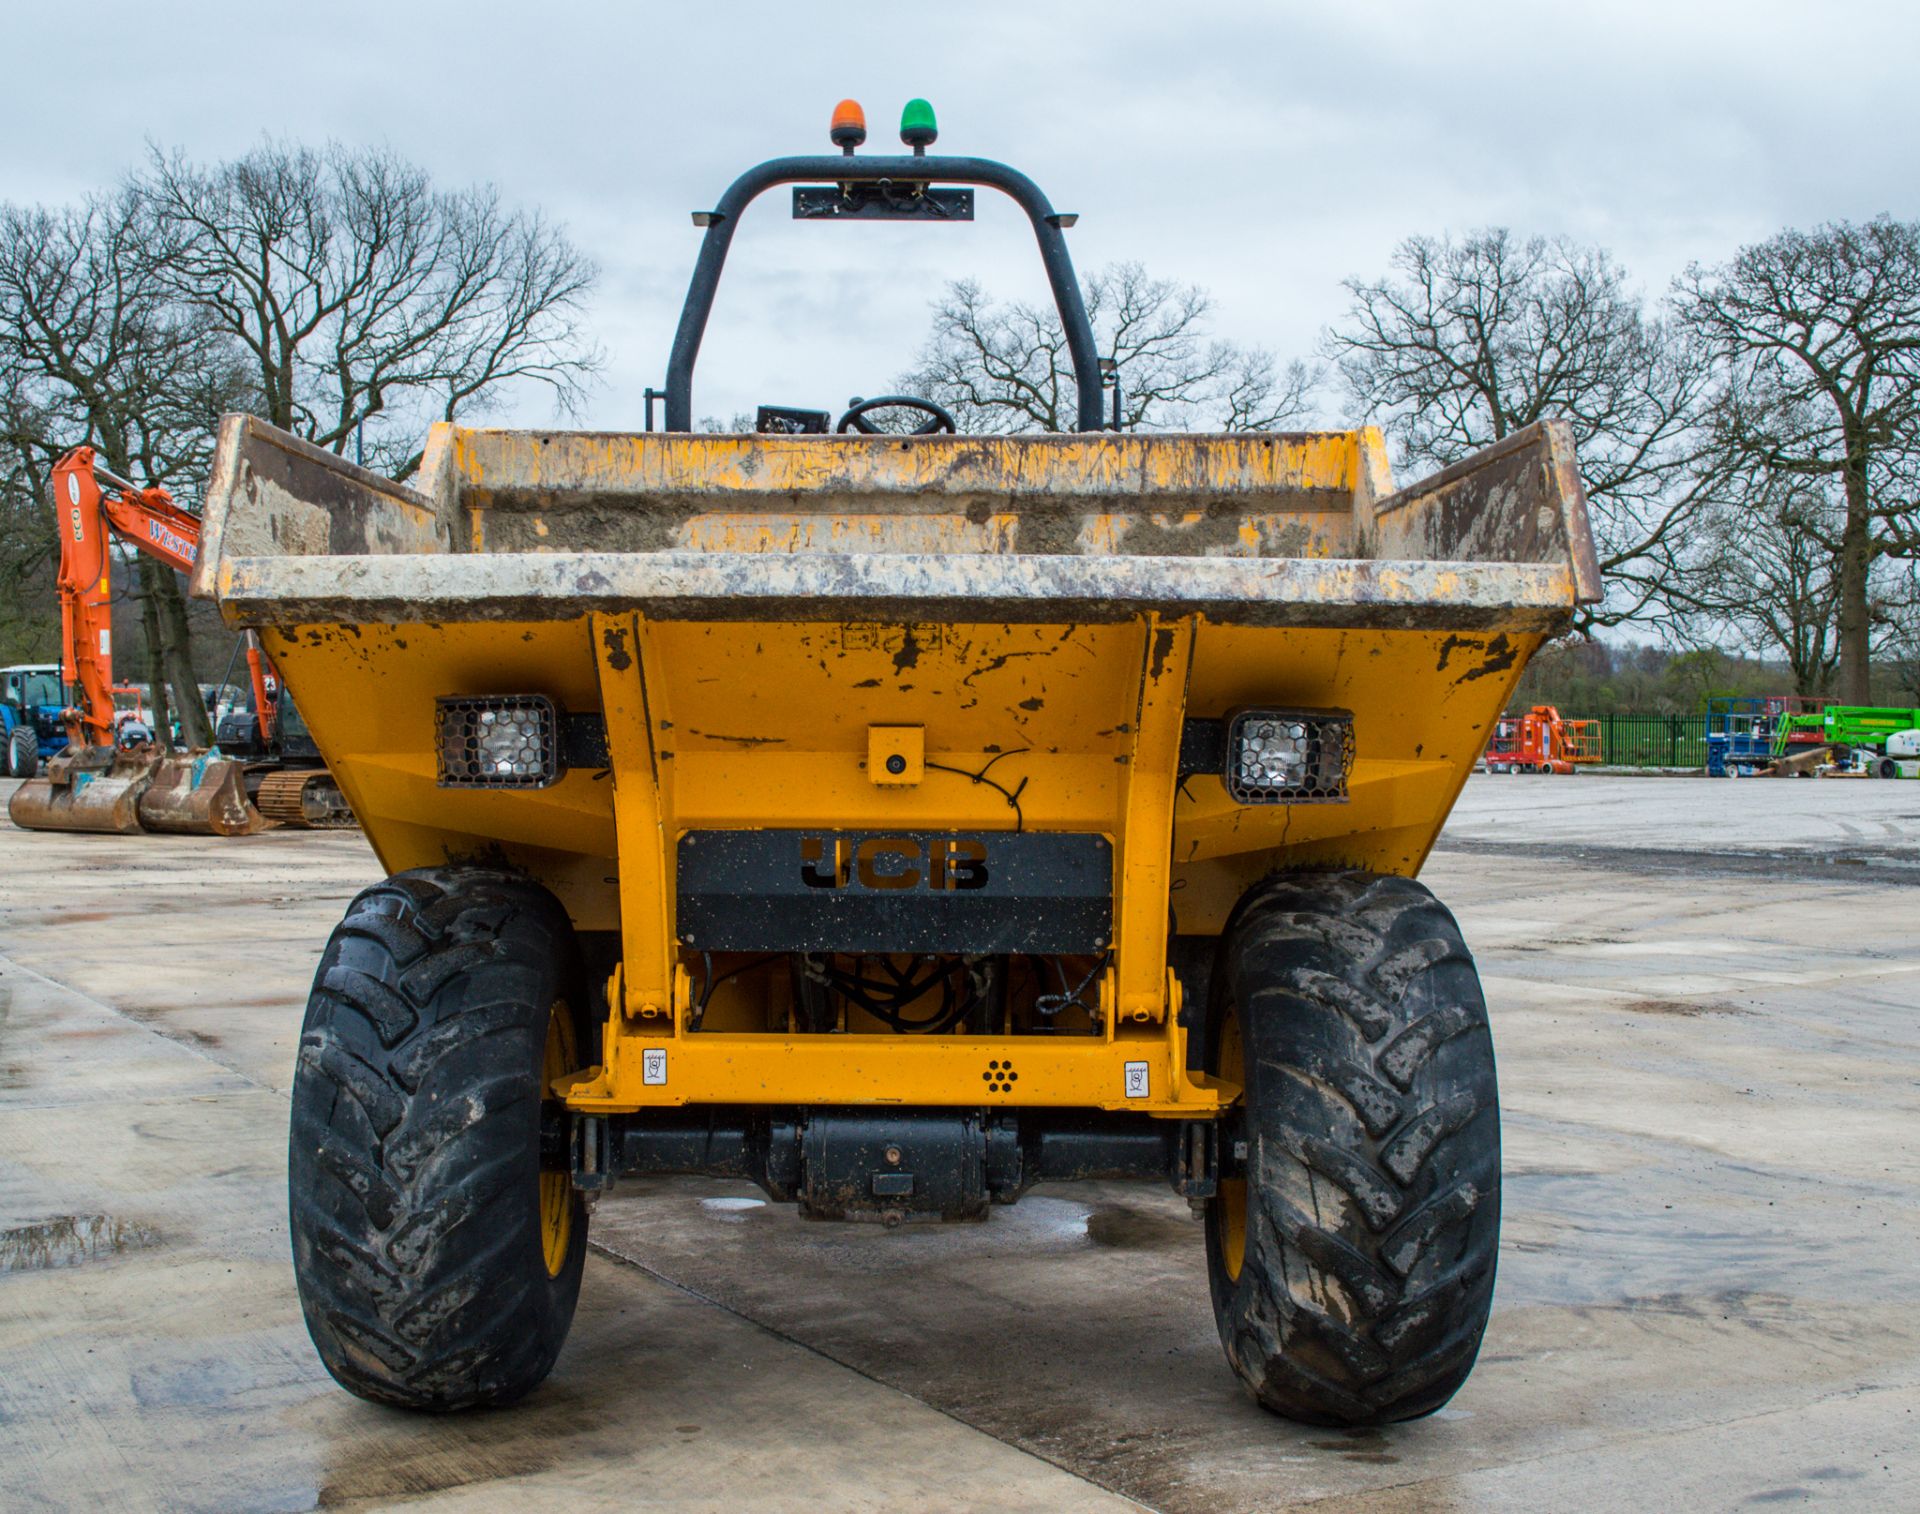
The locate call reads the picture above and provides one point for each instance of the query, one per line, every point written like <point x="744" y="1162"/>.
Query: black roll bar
<point x="901" y="170"/>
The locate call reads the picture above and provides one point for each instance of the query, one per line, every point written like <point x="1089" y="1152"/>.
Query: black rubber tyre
<point x="23" y="752"/>
<point x="438" y="1266"/>
<point x="1369" y="1201"/>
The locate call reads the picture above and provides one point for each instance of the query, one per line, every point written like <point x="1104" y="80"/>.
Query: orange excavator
<point x="102" y="782"/>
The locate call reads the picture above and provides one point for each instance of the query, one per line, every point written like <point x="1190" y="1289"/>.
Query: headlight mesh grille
<point x="508" y="741"/>
<point x="1289" y="756"/>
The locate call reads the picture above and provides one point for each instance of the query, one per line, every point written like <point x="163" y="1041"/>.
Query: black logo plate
<point x="894" y="891"/>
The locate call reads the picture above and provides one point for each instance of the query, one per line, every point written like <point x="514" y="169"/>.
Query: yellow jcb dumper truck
<point x="898" y="821"/>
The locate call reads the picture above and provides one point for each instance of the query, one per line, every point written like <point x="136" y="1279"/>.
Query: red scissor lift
<point x="1541" y="742"/>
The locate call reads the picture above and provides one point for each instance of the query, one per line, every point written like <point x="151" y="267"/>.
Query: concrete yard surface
<point x="1704" y="996"/>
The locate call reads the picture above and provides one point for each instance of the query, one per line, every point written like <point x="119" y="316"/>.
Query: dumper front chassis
<point x="718" y="690"/>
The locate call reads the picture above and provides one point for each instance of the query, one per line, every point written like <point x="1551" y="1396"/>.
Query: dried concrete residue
<point x="68" y="1240"/>
<point x="1683" y="1007"/>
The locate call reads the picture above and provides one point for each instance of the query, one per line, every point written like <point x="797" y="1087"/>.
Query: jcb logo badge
<point x="942" y="863"/>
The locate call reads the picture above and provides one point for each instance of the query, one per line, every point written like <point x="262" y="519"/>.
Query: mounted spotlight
<point x="1288" y="756"/>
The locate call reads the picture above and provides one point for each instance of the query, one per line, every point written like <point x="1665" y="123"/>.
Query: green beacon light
<point x="917" y="128"/>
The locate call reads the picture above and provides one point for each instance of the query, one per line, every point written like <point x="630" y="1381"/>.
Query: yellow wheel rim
<point x="556" y="1188"/>
<point x="1230" y="1213"/>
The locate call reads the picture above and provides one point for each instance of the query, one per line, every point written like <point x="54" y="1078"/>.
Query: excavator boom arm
<point x="95" y="506"/>
<point x="86" y="594"/>
<point x="151" y="521"/>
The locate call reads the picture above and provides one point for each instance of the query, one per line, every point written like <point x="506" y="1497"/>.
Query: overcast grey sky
<point x="1264" y="151"/>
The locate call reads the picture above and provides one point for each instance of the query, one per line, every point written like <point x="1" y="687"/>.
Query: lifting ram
<point x="899" y="820"/>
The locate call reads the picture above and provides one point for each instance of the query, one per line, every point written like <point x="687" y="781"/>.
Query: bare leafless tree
<point x="368" y="302"/>
<point x="1005" y="367"/>
<point x="1764" y="575"/>
<point x="1900" y="613"/>
<point x="25" y="444"/>
<point x="1468" y="340"/>
<point x="92" y="350"/>
<point x="1821" y="331"/>
<point x="27" y="542"/>
<point x="336" y="292"/>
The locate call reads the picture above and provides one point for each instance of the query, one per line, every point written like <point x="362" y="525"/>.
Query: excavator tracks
<point x="306" y="798"/>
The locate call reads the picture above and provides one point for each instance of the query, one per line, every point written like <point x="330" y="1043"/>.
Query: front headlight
<point x="509" y="741"/>
<point x="1289" y="756"/>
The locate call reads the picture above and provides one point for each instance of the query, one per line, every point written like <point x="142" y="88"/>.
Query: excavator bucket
<point x="93" y="789"/>
<point x="138" y="789"/>
<point x="199" y="794"/>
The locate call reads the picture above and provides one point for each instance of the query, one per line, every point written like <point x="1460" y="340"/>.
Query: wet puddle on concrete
<point x="1367" y="1447"/>
<point x="69" y="1240"/>
<point x="1122" y="1225"/>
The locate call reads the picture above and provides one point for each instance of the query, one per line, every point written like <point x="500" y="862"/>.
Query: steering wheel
<point x="939" y="418"/>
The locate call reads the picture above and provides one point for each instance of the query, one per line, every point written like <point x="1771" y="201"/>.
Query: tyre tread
<point x="412" y="1138"/>
<point x="1366" y="1033"/>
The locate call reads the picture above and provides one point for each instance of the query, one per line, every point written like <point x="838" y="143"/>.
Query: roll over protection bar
<point x="899" y="169"/>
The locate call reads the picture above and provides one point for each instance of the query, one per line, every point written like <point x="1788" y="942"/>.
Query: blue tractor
<point x="31" y="699"/>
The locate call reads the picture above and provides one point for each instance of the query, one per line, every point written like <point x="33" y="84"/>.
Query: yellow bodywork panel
<point x="716" y="726"/>
<point x="898" y="637"/>
<point x="767" y="724"/>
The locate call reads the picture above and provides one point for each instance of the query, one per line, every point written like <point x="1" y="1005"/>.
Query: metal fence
<point x="1654" y="741"/>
